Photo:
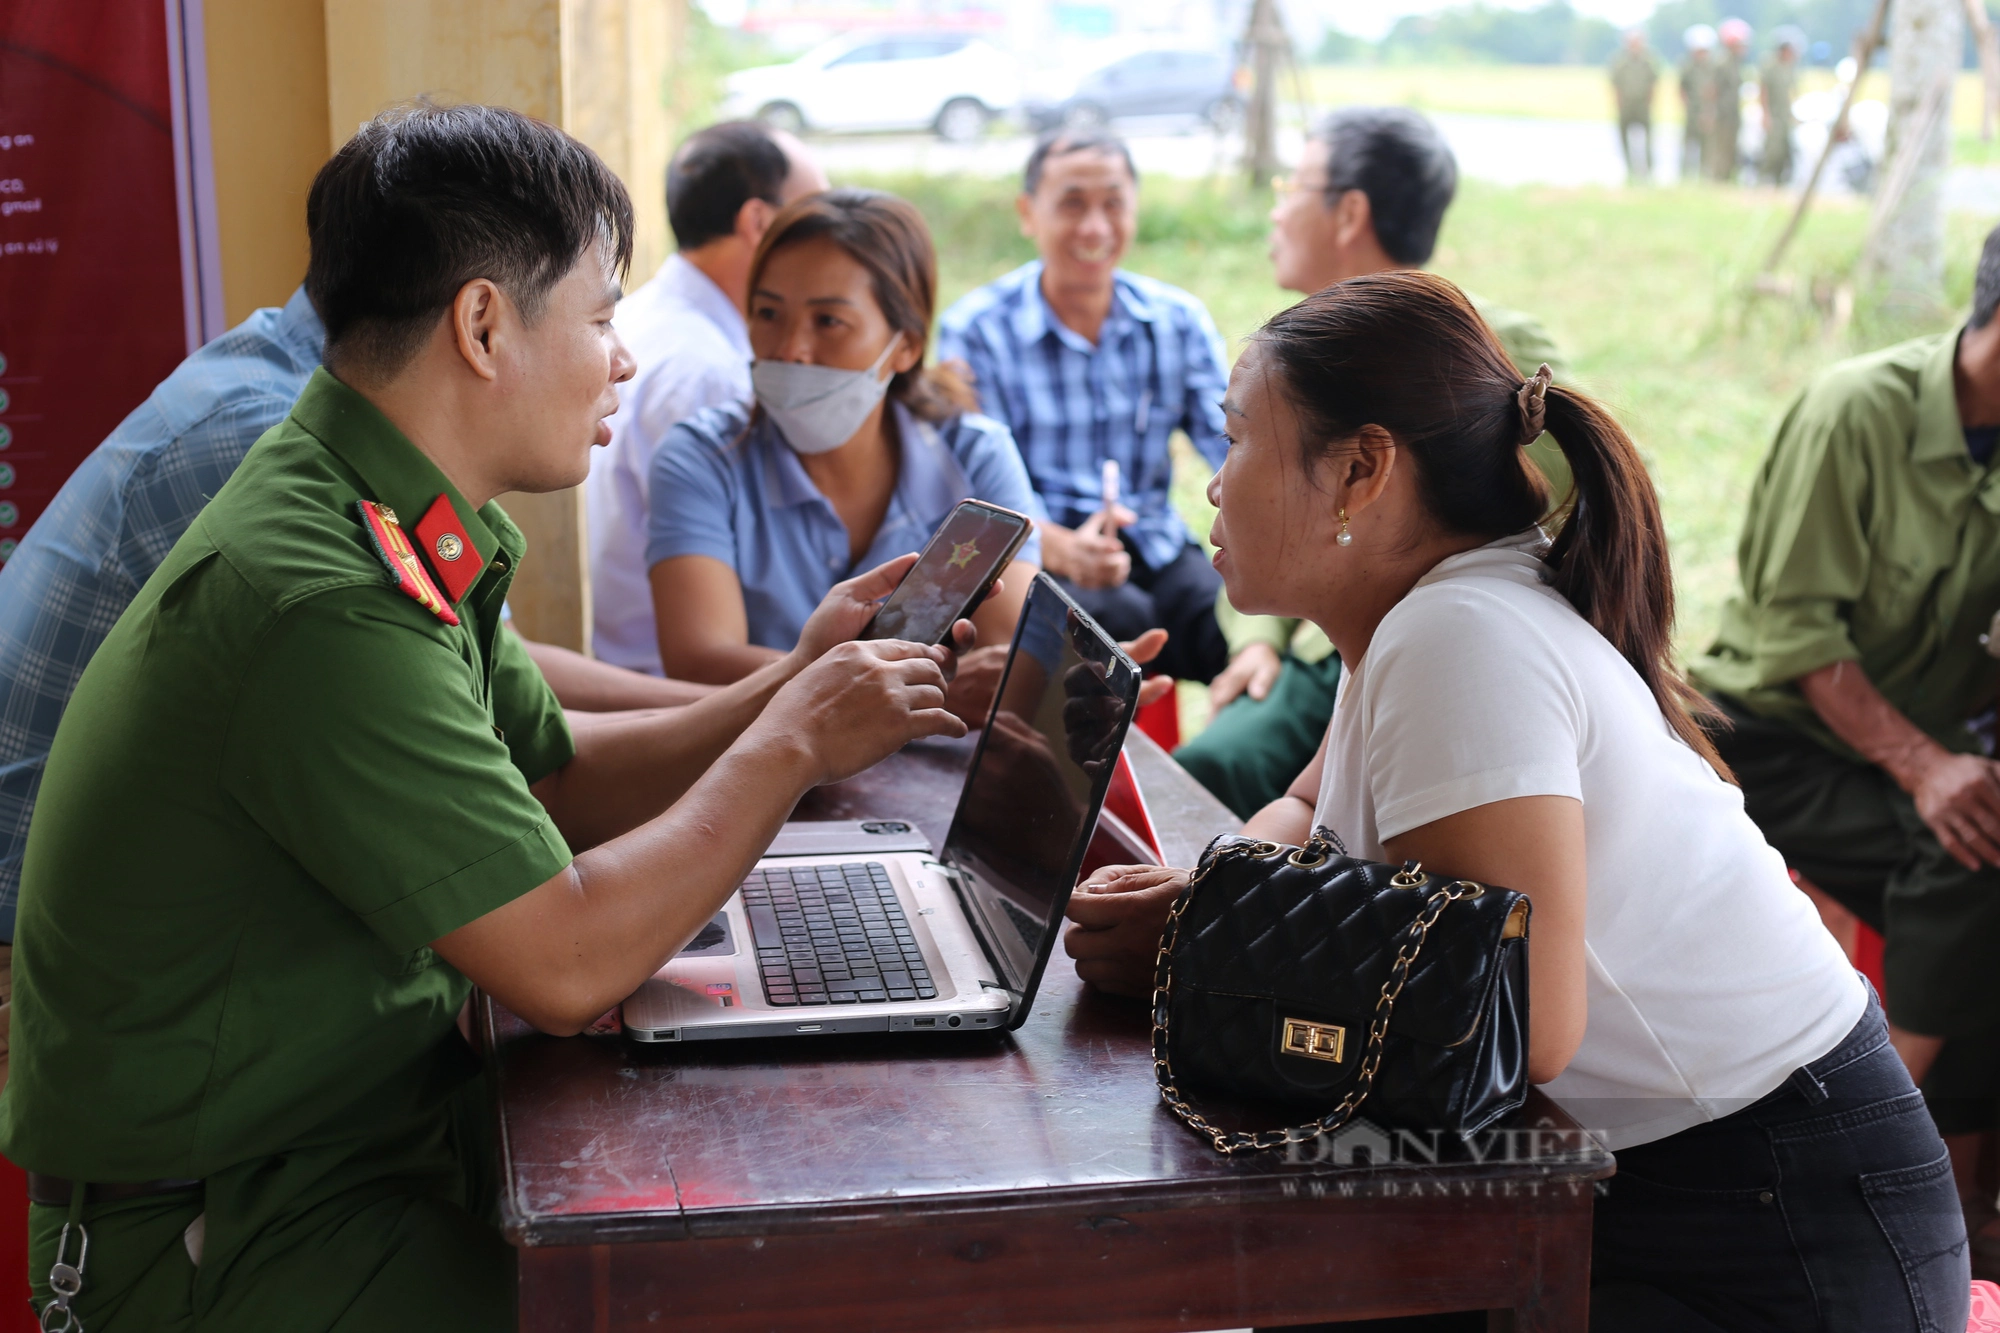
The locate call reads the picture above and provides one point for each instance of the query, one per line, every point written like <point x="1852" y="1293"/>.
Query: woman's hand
<point x="979" y="673"/>
<point x="1118" y="915"/>
<point x="1253" y="672"/>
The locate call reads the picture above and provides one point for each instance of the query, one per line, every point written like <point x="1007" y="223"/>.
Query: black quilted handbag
<point x="1300" y="975"/>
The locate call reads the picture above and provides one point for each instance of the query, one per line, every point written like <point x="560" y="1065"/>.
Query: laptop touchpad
<point x="713" y="940"/>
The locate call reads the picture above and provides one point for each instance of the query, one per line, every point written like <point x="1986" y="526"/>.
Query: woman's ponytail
<point x="1405" y="351"/>
<point x="1610" y="559"/>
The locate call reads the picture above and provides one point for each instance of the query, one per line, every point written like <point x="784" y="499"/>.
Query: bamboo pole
<point x="1866" y="43"/>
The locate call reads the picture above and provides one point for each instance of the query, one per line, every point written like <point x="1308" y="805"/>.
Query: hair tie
<point x="1532" y="398"/>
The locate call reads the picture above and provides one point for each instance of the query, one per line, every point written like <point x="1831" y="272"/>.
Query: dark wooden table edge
<point x="1337" y="1185"/>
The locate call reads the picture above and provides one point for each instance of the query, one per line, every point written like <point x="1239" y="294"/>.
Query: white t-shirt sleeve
<point x="1443" y="738"/>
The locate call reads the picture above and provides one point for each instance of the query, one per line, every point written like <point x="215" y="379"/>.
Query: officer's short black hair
<point x="426" y="198"/>
<point x="715" y="172"/>
<point x="1986" y="282"/>
<point x="1398" y="159"/>
<point x="1061" y="143"/>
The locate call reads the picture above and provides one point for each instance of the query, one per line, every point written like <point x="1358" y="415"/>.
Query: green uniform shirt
<point x="1719" y="155"/>
<point x="1780" y="79"/>
<point x="279" y="779"/>
<point x="1632" y="78"/>
<point x="1698" y="95"/>
<point x="1872" y="537"/>
<point x="1527" y="345"/>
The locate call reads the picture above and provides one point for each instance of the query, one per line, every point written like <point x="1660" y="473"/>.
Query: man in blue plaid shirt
<point x="1087" y="364"/>
<point x="111" y="525"/>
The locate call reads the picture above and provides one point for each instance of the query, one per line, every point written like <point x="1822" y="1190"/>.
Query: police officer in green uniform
<point x="1633" y="78"/>
<point x="307" y="794"/>
<point x="1778" y="86"/>
<point x="1850" y="662"/>
<point x="1370" y="194"/>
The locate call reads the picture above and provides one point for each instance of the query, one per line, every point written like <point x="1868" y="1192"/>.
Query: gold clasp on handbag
<point x="1315" y="1041"/>
<point x="1411" y="876"/>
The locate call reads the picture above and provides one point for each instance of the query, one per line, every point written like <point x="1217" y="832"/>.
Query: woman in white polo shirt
<point x="1509" y="713"/>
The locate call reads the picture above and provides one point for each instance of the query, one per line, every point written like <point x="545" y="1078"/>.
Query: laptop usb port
<point x="924" y="1022"/>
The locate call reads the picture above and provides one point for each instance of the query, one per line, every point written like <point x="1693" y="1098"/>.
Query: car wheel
<point x="1224" y="115"/>
<point x="783" y="116"/>
<point x="1084" y="116"/>
<point x="962" y="120"/>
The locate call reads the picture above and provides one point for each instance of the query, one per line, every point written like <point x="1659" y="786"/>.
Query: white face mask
<point x="818" y="408"/>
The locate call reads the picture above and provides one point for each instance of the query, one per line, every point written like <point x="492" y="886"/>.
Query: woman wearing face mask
<point x="1509" y="712"/>
<point x="852" y="453"/>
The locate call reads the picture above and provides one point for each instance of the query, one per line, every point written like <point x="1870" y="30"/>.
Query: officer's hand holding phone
<point x="850" y="606"/>
<point x="959" y="565"/>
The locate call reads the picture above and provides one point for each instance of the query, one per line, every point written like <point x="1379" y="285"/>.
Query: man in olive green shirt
<point x="1778" y="86"/>
<point x="1370" y="194"/>
<point x="308" y="794"/>
<point x="1633" y="78"/>
<point x="1719" y="154"/>
<point x="1697" y="80"/>
<point x="1851" y="662"/>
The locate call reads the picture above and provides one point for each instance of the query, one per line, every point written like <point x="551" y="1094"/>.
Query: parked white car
<point x="952" y="83"/>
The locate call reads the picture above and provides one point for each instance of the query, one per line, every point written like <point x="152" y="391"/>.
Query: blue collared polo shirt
<point x="745" y="499"/>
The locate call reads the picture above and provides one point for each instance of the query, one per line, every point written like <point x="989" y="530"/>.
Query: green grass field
<point x="1647" y="291"/>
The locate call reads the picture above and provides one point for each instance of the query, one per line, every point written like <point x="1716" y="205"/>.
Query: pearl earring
<point x="1345" y="538"/>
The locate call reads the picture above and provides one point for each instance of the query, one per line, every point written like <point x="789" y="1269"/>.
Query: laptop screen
<point x="1038" y="778"/>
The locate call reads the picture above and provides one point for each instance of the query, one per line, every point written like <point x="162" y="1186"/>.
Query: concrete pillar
<point x="598" y="68"/>
<point x="267" y="136"/>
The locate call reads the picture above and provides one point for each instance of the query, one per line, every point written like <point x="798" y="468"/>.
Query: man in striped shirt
<point x="1090" y="365"/>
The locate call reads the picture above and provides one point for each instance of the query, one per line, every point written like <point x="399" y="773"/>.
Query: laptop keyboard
<point x="833" y="935"/>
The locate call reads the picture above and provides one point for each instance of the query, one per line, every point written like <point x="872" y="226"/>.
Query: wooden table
<point x="1007" y="1182"/>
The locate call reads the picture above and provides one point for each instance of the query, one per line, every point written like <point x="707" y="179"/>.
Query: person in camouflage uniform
<point x="1633" y="76"/>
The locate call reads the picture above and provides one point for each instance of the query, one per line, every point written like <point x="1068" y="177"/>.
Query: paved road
<point x="1508" y="150"/>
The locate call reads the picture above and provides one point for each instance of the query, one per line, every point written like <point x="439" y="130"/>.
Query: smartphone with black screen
<point x="963" y="557"/>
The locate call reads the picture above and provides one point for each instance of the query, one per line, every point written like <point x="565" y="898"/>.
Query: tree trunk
<point x="1905" y="255"/>
<point x="1268" y="44"/>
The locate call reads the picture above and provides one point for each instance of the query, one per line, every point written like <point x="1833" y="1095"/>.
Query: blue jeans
<point x="1827" y="1206"/>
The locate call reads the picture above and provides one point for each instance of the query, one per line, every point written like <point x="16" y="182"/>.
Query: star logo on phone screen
<point x="964" y="553"/>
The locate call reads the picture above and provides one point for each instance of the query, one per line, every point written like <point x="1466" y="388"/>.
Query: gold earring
<point x="1345" y="538"/>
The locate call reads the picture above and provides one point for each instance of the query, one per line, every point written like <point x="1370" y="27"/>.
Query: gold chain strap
<point x="1228" y="1141"/>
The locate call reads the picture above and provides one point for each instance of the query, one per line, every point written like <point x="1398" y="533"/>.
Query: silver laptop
<point x="857" y="927"/>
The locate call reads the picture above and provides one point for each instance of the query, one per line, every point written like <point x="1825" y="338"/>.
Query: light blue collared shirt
<point x="1157" y="367"/>
<point x="747" y="501"/>
<point x="111" y="525"/>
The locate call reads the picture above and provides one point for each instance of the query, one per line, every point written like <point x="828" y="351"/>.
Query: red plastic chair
<point x="1161" y="719"/>
<point x="1985" y="1316"/>
<point x="16" y="1314"/>
<point x="1861" y="944"/>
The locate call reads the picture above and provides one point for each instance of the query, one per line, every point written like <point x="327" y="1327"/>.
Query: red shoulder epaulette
<point x="405" y="570"/>
<point x="452" y="556"/>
